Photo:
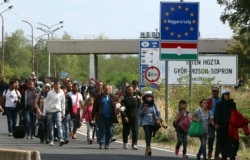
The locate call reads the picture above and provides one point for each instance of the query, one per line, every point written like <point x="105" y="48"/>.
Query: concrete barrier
<point x="18" y="154"/>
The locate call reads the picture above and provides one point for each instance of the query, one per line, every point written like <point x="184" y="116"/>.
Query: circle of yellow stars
<point x="179" y="7"/>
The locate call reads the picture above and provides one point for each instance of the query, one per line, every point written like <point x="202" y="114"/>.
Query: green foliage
<point x="236" y="13"/>
<point x="118" y="69"/>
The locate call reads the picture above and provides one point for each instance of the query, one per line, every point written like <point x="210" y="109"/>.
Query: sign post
<point x="179" y="34"/>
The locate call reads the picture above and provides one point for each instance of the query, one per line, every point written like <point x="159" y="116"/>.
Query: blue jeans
<point x="105" y="128"/>
<point x="148" y="130"/>
<point x="30" y="120"/>
<point x="202" y="150"/>
<point x="66" y="126"/>
<point x="54" y="118"/>
<point x="211" y="137"/>
<point x="182" y="139"/>
<point x="11" y="118"/>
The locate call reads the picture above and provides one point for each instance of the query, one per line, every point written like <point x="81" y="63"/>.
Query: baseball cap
<point x="215" y="88"/>
<point x="225" y="91"/>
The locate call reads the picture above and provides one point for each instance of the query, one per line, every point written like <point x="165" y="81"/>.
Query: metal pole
<point x="32" y="45"/>
<point x="2" y="68"/>
<point x="166" y="91"/>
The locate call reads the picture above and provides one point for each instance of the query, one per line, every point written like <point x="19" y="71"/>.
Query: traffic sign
<point x="179" y="21"/>
<point x="152" y="74"/>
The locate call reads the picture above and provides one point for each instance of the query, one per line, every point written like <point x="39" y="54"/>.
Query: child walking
<point x="87" y="116"/>
<point x="181" y="133"/>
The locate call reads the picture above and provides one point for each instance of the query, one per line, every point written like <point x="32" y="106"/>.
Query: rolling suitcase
<point x="19" y="131"/>
<point x="39" y="130"/>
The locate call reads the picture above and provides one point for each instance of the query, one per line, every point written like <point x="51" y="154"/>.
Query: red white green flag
<point x="178" y="51"/>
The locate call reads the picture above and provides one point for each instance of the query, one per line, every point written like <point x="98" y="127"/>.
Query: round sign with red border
<point x="152" y="74"/>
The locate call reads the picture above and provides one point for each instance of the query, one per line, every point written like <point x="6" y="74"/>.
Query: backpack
<point x="183" y="124"/>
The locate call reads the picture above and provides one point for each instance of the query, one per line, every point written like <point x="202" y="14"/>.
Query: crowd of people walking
<point x="61" y="106"/>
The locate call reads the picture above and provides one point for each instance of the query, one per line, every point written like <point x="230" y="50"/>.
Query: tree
<point x="236" y="13"/>
<point x="18" y="54"/>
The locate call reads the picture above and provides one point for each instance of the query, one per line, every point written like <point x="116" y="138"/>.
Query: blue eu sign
<point x="179" y="21"/>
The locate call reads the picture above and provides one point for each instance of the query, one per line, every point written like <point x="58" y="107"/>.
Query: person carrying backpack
<point x="40" y="111"/>
<point x="181" y="132"/>
<point x="130" y="118"/>
<point x="10" y="98"/>
<point x="149" y="118"/>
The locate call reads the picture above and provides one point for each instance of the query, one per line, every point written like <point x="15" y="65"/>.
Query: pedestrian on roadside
<point x="149" y="118"/>
<point x="88" y="119"/>
<point x="28" y="108"/>
<point x="40" y="110"/>
<point x="181" y="134"/>
<point x="130" y="118"/>
<point x="10" y="98"/>
<point x="105" y="115"/>
<point x="206" y="117"/>
<point x="66" y="121"/>
<point x="55" y="112"/>
<point x="211" y="130"/>
<point x="77" y="103"/>
<point x="221" y="121"/>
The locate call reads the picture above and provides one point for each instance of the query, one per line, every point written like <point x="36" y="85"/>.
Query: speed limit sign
<point x="152" y="74"/>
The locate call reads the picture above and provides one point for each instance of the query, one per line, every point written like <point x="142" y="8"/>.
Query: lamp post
<point x="1" y="14"/>
<point x="32" y="45"/>
<point x="49" y="32"/>
<point x="5" y="1"/>
<point x="37" y="39"/>
<point x="54" y="56"/>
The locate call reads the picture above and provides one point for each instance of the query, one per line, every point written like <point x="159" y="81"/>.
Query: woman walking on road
<point x="149" y="118"/>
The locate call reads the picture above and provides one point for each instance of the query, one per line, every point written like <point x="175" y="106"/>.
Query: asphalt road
<point x="78" y="149"/>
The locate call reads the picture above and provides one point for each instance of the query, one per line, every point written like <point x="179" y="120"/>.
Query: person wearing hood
<point x="221" y="122"/>
<point x="149" y="117"/>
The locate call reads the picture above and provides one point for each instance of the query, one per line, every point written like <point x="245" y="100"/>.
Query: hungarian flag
<point x="179" y="51"/>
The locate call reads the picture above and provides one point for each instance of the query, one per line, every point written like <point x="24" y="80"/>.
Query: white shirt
<point x="55" y="102"/>
<point x="10" y="97"/>
<point x="73" y="98"/>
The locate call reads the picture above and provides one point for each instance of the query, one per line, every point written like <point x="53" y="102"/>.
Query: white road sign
<point x="217" y="69"/>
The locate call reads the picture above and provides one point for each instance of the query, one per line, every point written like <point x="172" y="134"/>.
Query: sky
<point x="116" y="19"/>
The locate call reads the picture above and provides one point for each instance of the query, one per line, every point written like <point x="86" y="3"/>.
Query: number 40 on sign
<point x="152" y="74"/>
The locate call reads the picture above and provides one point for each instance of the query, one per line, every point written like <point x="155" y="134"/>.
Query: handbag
<point x="75" y="106"/>
<point x="196" y="129"/>
<point x="184" y="123"/>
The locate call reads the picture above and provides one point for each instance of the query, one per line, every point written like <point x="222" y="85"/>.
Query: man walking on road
<point x="55" y="112"/>
<point x="104" y="114"/>
<point x="130" y="118"/>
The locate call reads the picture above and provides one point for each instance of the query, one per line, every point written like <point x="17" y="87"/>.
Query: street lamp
<point x="1" y="15"/>
<point x="5" y="1"/>
<point x="32" y="45"/>
<point x="49" y="32"/>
